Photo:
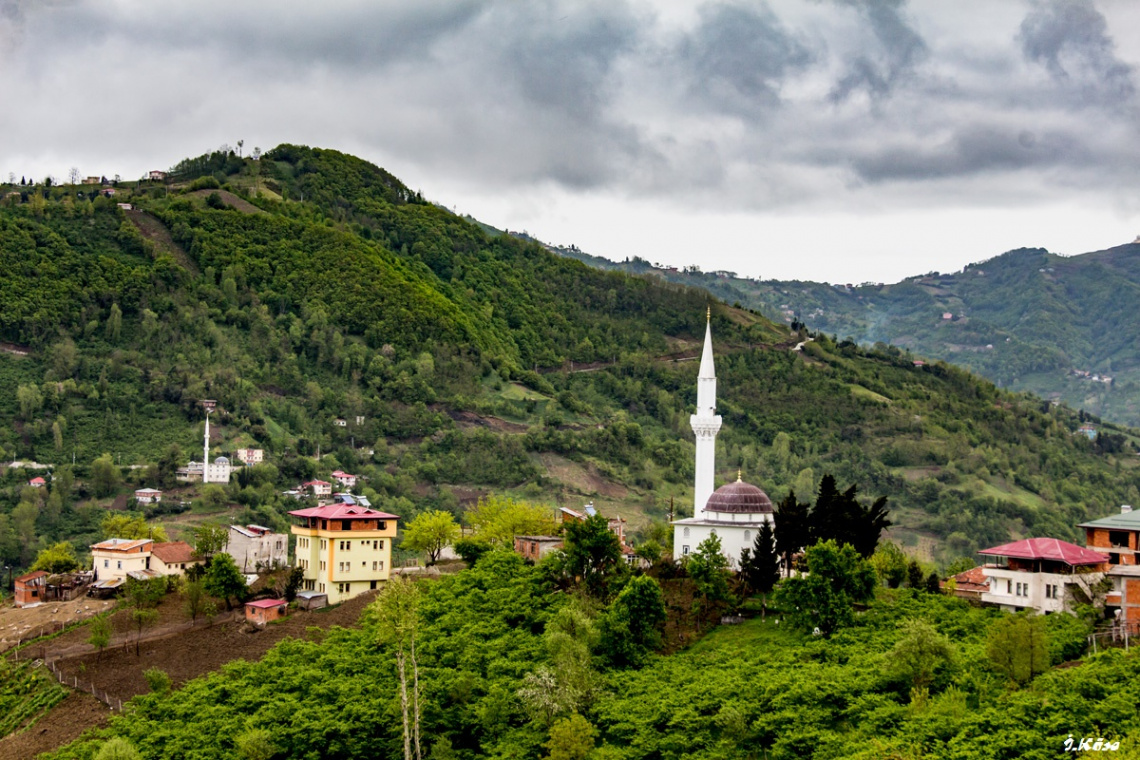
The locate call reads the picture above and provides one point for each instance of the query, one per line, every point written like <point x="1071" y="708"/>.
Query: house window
<point x="747" y="536"/>
<point x="383" y="525"/>
<point x="322" y="588"/>
<point x="685" y="533"/>
<point x="1048" y="591"/>
<point x="381" y="544"/>
<point x="685" y="549"/>
<point x="381" y="564"/>
<point x="119" y="564"/>
<point x="373" y="565"/>
<point x="106" y="563"/>
<point x="1008" y="586"/>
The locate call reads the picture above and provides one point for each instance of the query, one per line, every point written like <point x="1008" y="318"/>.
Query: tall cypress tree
<point x="827" y="517"/>
<point x="763" y="569"/>
<point x="792" y="528"/>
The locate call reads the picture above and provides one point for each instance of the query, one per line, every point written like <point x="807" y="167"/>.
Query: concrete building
<point x="255" y="547"/>
<point x="172" y="558"/>
<point x="265" y="611"/>
<point x="148" y="496"/>
<point x="31" y="588"/>
<point x="344" y="479"/>
<point x="114" y="558"/>
<point x="535" y="548"/>
<point x="250" y="456"/>
<point x="318" y="488"/>
<point x="344" y="550"/>
<point x="1117" y="535"/>
<point x="1040" y="573"/>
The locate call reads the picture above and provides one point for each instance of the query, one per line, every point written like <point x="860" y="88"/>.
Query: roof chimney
<point x="1125" y="508"/>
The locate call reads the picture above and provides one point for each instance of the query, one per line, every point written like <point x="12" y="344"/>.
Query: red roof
<point x="41" y="481"/>
<point x="266" y="604"/>
<point x="171" y="552"/>
<point x="315" y="483"/>
<point x="1047" y="548"/>
<point x="344" y="512"/>
<point x="30" y="576"/>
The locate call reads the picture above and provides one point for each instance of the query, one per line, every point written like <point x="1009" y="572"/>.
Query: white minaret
<point x="705" y="424"/>
<point x="209" y="405"/>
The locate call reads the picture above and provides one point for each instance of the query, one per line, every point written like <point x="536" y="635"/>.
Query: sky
<point x="835" y="140"/>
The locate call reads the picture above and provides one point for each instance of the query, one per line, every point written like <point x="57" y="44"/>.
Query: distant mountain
<point x="1062" y="327"/>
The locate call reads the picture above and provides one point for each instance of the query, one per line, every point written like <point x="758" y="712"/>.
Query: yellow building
<point x="344" y="549"/>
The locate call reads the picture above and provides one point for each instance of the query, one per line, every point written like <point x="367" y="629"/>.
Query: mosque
<point x="735" y="511"/>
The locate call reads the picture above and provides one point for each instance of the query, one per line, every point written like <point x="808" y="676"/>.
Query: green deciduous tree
<point x="224" y="581"/>
<point x="99" y="634"/>
<point x="430" y="532"/>
<point x="1017" y="646"/>
<point x="593" y="553"/>
<point x="57" y="558"/>
<point x="119" y="525"/>
<point x="919" y="653"/>
<point x="836" y="578"/>
<point x="117" y="748"/>
<point x="397" y="620"/>
<point x="498" y="519"/>
<point x="709" y="571"/>
<point x="209" y="540"/>
<point x="571" y="738"/>
<point x="105" y="475"/>
<point x="631" y="627"/>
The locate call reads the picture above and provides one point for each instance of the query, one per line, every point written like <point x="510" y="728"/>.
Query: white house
<point x="116" y="557"/>
<point x="172" y="558"/>
<point x="250" y="456"/>
<point x="318" y="488"/>
<point x="345" y="479"/>
<point x="1037" y="573"/>
<point x="148" y="496"/>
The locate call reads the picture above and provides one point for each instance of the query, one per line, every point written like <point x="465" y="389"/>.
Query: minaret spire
<point x="705" y="423"/>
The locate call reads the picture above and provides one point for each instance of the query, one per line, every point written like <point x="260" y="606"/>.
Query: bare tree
<point x="240" y="143"/>
<point x="73" y="175"/>
<point x="397" y="615"/>
<point x="11" y="178"/>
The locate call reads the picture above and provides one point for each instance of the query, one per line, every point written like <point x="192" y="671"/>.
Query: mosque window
<point x="685" y="533"/>
<point x="747" y="536"/>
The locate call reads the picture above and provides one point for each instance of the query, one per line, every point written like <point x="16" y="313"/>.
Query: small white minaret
<point x="209" y="405"/>
<point x="705" y="424"/>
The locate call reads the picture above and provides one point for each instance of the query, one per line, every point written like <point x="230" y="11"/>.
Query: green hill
<point x="310" y="287"/>
<point x="1061" y="327"/>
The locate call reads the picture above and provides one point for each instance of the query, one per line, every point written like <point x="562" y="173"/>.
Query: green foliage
<point x="99" y="633"/>
<point x="891" y="564"/>
<point x="497" y="520"/>
<point x="837" y="577"/>
<point x="209" y="540"/>
<point x="471" y="549"/>
<point x="57" y="558"/>
<point x="592" y="553"/>
<point x="224" y="581"/>
<point x="919" y="653"/>
<point x="571" y="738"/>
<point x="130" y="527"/>
<point x="255" y="744"/>
<point x="708" y="568"/>
<point x="158" y="680"/>
<point x="759" y="564"/>
<point x="631" y="627"/>
<point x="105" y="476"/>
<point x="430" y="532"/>
<point x="1018" y="647"/>
<point x="117" y="748"/>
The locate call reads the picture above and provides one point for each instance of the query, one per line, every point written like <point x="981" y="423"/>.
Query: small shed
<point x="30" y="589"/>
<point x="264" y="611"/>
<point x="312" y="600"/>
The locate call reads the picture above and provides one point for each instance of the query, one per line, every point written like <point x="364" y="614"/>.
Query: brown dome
<point x="739" y="497"/>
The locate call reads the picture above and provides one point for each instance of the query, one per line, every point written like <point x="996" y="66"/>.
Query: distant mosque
<point x="735" y="511"/>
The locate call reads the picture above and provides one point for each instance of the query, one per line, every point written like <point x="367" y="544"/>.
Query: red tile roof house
<point x="345" y="479"/>
<point x="265" y="611"/>
<point x="968" y="585"/>
<point x="173" y="558"/>
<point x="318" y="487"/>
<point x="37" y="482"/>
<point x="1038" y="573"/>
<point x="30" y="588"/>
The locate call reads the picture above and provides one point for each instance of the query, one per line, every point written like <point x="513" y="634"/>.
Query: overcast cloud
<point x="826" y="139"/>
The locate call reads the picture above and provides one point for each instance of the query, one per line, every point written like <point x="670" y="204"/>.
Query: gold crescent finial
<point x="708" y="313"/>
<point x="738" y="474"/>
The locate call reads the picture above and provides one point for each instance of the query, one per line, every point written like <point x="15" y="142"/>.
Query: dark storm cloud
<point x="1070" y="39"/>
<point x="973" y="150"/>
<point x="738" y="57"/>
<point x="899" y="49"/>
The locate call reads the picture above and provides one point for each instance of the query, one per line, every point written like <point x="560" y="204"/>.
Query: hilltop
<point x="310" y="287"/>
<point x="1061" y="327"/>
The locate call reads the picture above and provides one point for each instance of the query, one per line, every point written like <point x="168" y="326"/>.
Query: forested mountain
<point x="1062" y="327"/>
<point x="309" y="287"/>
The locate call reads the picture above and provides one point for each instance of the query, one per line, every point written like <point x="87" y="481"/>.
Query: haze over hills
<point x="1062" y="327"/>
<point x="461" y="353"/>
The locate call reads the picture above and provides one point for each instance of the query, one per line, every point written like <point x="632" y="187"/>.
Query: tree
<point x="255" y="744"/>
<point x="1017" y="646"/>
<point x="158" y="680"/>
<point x="933" y="584"/>
<point x="30" y="400"/>
<point x="120" y="525"/>
<point x="209" y="540"/>
<point x="649" y="551"/>
<point x="760" y="567"/>
<point x="430" y="532"/>
<point x="141" y="597"/>
<point x="709" y="570"/>
<point x="571" y="738"/>
<point x="117" y="748"/>
<point x="213" y="496"/>
<point x="397" y="621"/>
<point x="919" y="653"/>
<point x="593" y="552"/>
<point x="195" y="599"/>
<point x="868" y="525"/>
<point x="57" y="558"/>
<point x="224" y="581"/>
<point x="114" y="325"/>
<point x="890" y="564"/>
<point x="100" y="634"/>
<point x="105" y="475"/>
<point x="293" y="583"/>
<point x="837" y="578"/>
<point x="631" y="627"/>
<point x="498" y="519"/>
<point x="793" y="531"/>
<point x="915" y="578"/>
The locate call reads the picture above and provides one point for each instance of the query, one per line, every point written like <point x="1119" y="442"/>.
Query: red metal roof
<point x="266" y="604"/>
<point x="30" y="576"/>
<point x="315" y="483"/>
<point x="344" y="512"/>
<point x="37" y="480"/>
<point x="1047" y="548"/>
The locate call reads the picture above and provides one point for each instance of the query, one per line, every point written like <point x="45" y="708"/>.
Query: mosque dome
<point x="739" y="497"/>
<point x="221" y="460"/>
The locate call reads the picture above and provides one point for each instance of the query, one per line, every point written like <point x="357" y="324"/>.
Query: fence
<point x="73" y="681"/>
<point x="1119" y="635"/>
